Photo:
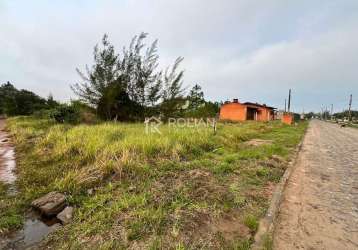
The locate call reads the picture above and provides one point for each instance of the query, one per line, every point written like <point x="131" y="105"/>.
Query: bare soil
<point x="320" y="203"/>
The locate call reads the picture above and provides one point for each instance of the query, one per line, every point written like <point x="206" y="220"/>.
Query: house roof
<point x="252" y="104"/>
<point x="258" y="105"/>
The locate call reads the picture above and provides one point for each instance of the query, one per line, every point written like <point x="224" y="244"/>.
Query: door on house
<point x="251" y="114"/>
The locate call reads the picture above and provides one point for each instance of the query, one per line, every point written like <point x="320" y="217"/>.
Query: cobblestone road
<point x="320" y="203"/>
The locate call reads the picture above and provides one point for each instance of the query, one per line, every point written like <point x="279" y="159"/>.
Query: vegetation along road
<point x="186" y="188"/>
<point x="320" y="207"/>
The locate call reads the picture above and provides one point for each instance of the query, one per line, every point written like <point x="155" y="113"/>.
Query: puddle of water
<point x="35" y="228"/>
<point x="34" y="231"/>
<point x="7" y="161"/>
<point x="7" y="165"/>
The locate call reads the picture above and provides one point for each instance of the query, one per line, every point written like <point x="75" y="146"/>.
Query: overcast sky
<point x="253" y="50"/>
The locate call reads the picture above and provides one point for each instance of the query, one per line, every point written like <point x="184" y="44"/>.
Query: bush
<point x="65" y="113"/>
<point x="73" y="113"/>
<point x="44" y="113"/>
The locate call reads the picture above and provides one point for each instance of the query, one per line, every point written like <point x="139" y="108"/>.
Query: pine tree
<point x="131" y="86"/>
<point x="196" y="97"/>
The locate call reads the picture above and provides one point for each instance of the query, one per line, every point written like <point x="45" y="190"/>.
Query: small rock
<point x="271" y="163"/>
<point x="258" y="142"/>
<point x="131" y="188"/>
<point x="66" y="215"/>
<point x="50" y="204"/>
<point x="277" y="158"/>
<point x="238" y="172"/>
<point x="90" y="191"/>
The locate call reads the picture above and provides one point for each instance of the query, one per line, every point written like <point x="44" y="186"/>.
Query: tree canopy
<point x="129" y="86"/>
<point x="20" y="102"/>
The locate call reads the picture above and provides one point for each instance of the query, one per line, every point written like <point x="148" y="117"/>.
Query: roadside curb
<point x="267" y="224"/>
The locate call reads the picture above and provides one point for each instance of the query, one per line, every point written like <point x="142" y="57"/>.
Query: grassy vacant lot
<point x="184" y="189"/>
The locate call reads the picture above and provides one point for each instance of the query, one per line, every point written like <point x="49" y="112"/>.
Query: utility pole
<point x="326" y="113"/>
<point x="349" y="110"/>
<point x="331" y="111"/>
<point x="289" y="101"/>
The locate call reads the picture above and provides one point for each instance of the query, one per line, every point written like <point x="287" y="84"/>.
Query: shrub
<point x="44" y="113"/>
<point x="65" y="113"/>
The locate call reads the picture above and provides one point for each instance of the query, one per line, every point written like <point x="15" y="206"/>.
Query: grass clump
<point x="251" y="222"/>
<point x="10" y="215"/>
<point x="185" y="188"/>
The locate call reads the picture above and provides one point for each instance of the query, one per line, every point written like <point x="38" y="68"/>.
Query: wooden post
<point x="214" y="126"/>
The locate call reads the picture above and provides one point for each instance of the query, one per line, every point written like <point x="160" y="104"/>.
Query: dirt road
<point x="320" y="203"/>
<point x="7" y="157"/>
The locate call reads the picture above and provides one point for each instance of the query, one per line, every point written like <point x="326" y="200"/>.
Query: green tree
<point x="51" y="103"/>
<point x="196" y="97"/>
<point x="96" y="86"/>
<point x="19" y="102"/>
<point x="345" y="114"/>
<point x="206" y="110"/>
<point x="172" y="93"/>
<point x="27" y="102"/>
<point x="128" y="87"/>
<point x="7" y="99"/>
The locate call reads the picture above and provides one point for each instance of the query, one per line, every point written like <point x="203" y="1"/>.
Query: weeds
<point x="251" y="222"/>
<point x="173" y="190"/>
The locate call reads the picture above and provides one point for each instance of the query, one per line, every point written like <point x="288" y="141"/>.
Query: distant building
<point x="236" y="111"/>
<point x="288" y="118"/>
<point x="279" y="114"/>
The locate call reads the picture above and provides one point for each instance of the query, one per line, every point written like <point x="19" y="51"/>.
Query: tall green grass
<point x="151" y="186"/>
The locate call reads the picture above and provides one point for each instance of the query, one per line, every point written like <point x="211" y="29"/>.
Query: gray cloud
<point x="253" y="50"/>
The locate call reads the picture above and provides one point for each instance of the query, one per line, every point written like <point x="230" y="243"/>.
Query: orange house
<point x="236" y="111"/>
